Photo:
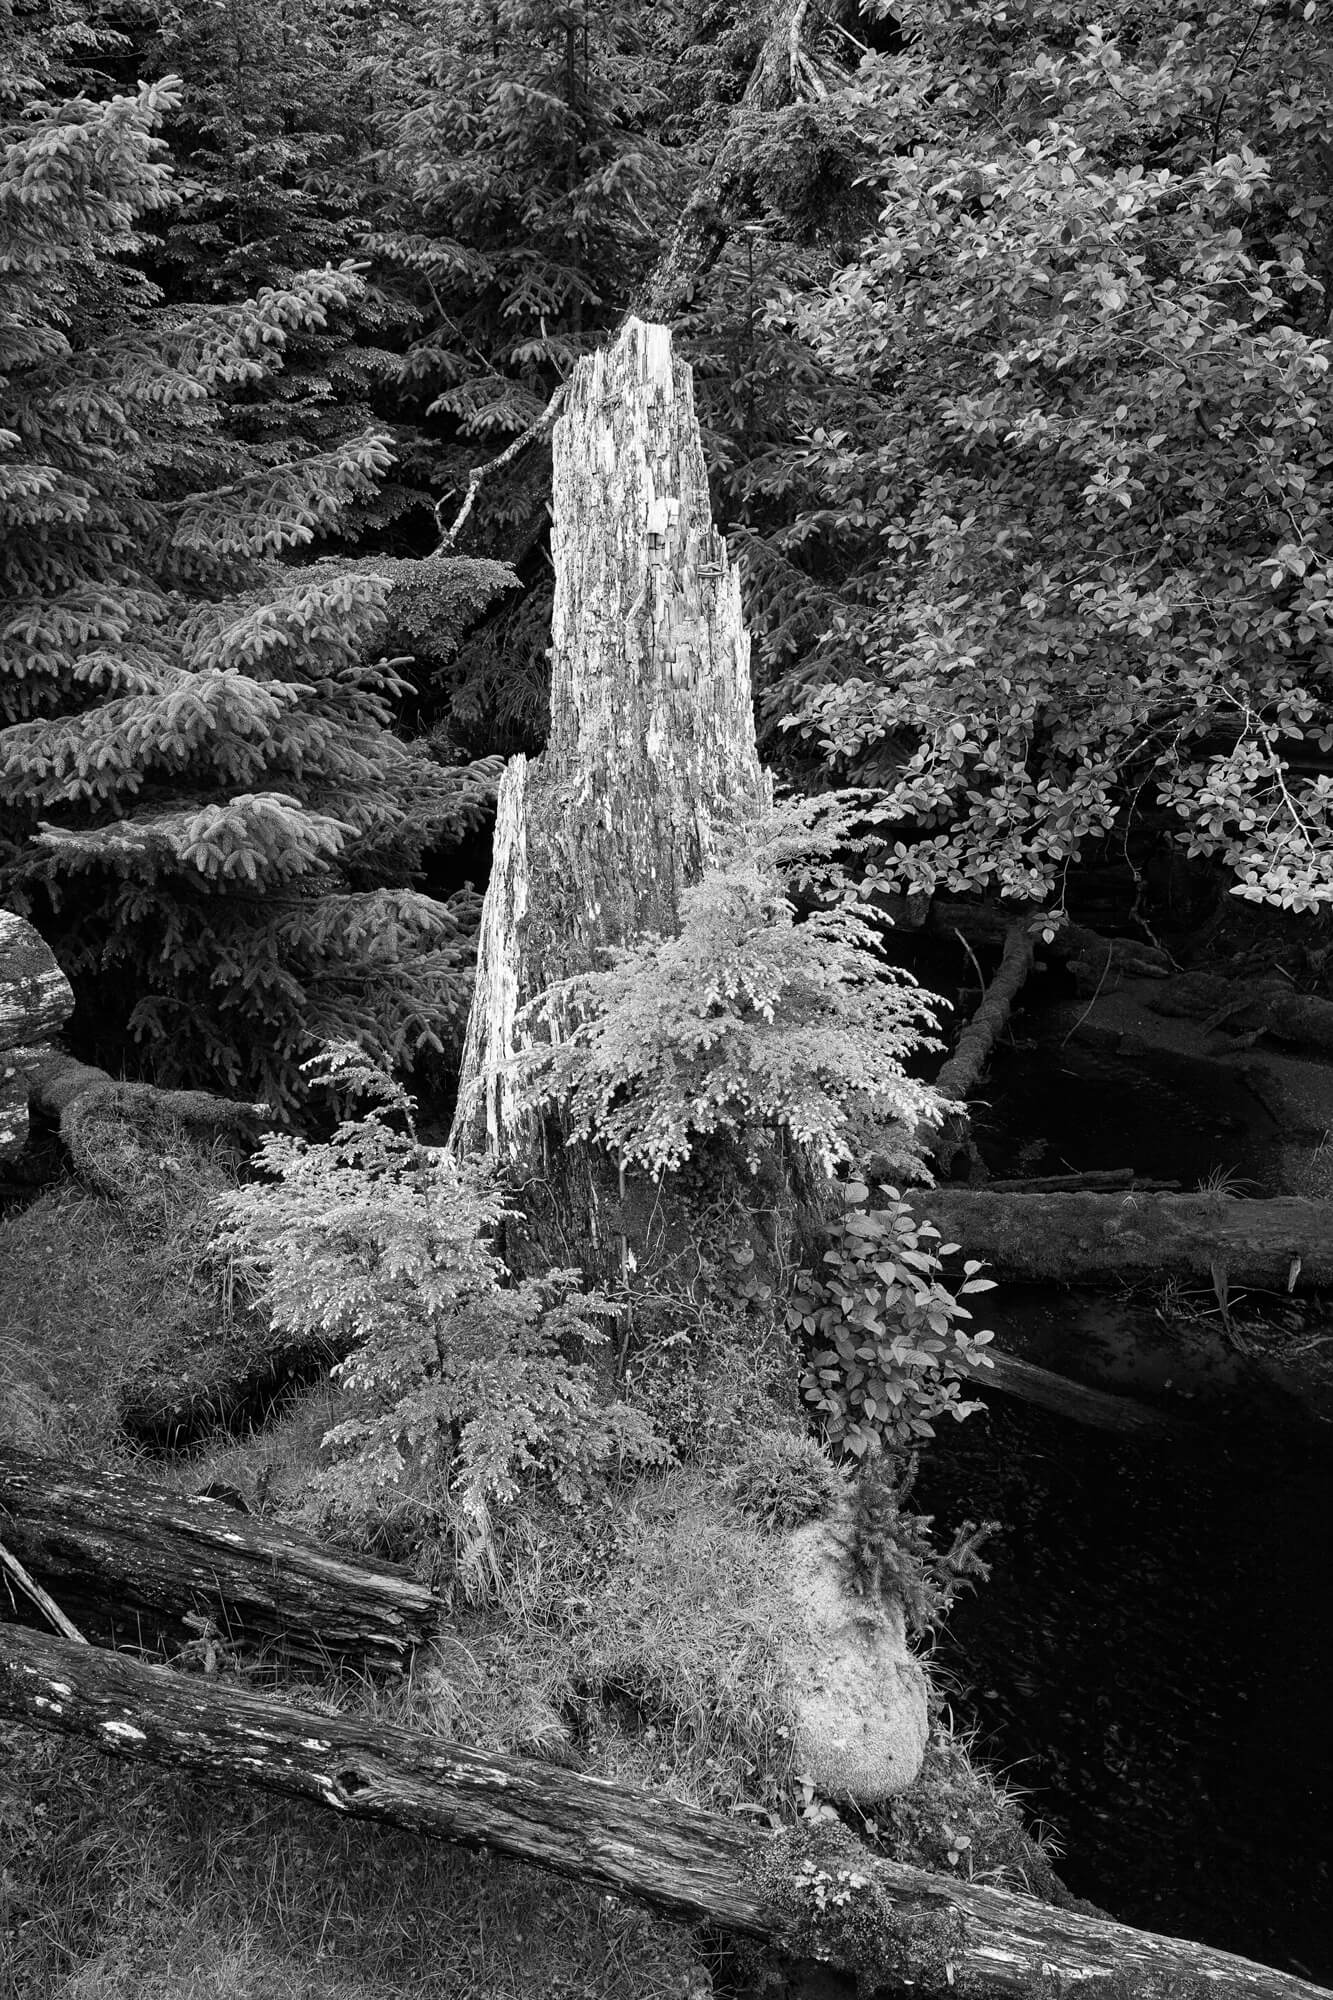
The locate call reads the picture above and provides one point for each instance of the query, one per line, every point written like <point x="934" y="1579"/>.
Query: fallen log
<point x="131" y="1561"/>
<point x="811" y="1895"/>
<point x="1098" y="1180"/>
<point x="1099" y="1408"/>
<point x="959" y="1076"/>
<point x="36" y="1000"/>
<point x="1277" y="1245"/>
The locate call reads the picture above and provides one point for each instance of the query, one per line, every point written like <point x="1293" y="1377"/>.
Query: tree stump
<point x="651" y="751"/>
<point x="35" y="1002"/>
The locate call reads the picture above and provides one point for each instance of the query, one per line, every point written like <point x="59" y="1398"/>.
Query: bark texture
<point x="899" y="1926"/>
<point x="135" y="1562"/>
<point x="1281" y="1244"/>
<point x="959" y="1076"/>
<point x="652" y="745"/>
<point x="35" y="1002"/>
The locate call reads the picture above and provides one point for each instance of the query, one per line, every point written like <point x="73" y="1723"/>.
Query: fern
<point x="458" y="1383"/>
<point x="747" y="1023"/>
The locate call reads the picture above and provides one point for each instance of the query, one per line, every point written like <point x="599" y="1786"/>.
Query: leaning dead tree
<point x="898" y="1926"/>
<point x="136" y="1563"/>
<point x="651" y="749"/>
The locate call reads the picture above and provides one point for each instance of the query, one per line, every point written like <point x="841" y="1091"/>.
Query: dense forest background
<point x="1009" y="330"/>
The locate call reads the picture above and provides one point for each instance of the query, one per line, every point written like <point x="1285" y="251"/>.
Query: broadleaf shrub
<point x="889" y="1353"/>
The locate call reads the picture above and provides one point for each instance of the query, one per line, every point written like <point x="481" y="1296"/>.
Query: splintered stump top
<point x="652" y="746"/>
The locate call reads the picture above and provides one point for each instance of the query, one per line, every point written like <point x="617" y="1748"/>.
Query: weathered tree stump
<point x="651" y="749"/>
<point x="898" y="1926"/>
<point x="132" y="1561"/>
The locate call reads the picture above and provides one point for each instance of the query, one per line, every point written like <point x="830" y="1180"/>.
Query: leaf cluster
<point x="889" y="1354"/>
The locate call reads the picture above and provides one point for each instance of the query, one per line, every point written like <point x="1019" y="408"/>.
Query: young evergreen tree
<point x="201" y="798"/>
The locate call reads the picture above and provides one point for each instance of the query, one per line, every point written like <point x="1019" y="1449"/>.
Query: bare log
<point x="899" y="1925"/>
<point x="959" y="1076"/>
<point x="141" y="1564"/>
<point x="1048" y="1391"/>
<point x="1277" y="1245"/>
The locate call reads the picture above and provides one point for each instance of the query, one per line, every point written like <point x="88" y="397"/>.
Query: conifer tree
<point x="201" y="799"/>
<point x="520" y="191"/>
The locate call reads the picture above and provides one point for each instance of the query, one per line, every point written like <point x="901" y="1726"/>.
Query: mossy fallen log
<point x="1276" y="1245"/>
<point x="812" y="1894"/>
<point x="132" y="1561"/>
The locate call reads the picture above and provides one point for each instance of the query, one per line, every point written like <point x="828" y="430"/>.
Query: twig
<point x="539" y="428"/>
<point x="47" y="1604"/>
<point x="1095" y="998"/>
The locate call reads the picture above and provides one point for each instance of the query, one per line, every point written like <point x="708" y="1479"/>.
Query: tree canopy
<point x="1010" y="331"/>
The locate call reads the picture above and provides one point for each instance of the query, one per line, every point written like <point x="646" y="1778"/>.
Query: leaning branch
<point x="904" y="1925"/>
<point x="541" y="427"/>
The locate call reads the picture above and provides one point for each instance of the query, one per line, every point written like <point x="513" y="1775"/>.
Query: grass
<point x="123" y="1885"/>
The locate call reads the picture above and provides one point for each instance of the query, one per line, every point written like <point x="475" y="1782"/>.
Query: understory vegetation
<point x="626" y="1622"/>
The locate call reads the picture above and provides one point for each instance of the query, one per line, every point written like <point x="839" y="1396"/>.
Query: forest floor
<point x="632" y="1637"/>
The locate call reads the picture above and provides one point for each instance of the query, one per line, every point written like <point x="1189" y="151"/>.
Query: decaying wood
<point x="1248" y="1008"/>
<point x="651" y="747"/>
<point x="1096" y="958"/>
<point x="1278" y="1245"/>
<point x="929" y="1932"/>
<point x="1048" y="1391"/>
<point x="959" y="1076"/>
<point x="35" y="1002"/>
<point x="36" y="999"/>
<point x="136" y="1562"/>
<point x="12" y="1571"/>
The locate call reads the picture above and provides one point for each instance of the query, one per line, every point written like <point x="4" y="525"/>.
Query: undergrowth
<point x="627" y="1626"/>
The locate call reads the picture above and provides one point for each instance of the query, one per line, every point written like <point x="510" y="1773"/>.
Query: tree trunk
<point x="1278" y="1244"/>
<point x="895" y="1925"/>
<point x="651" y="747"/>
<point x="782" y="74"/>
<point x="132" y="1562"/>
